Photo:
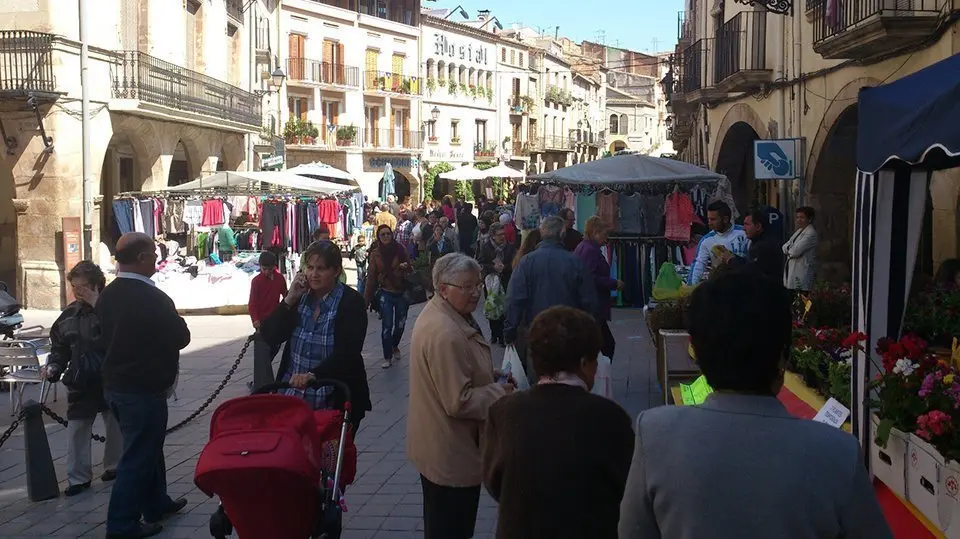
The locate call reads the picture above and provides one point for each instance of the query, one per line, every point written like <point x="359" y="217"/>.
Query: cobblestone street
<point x="384" y="502"/>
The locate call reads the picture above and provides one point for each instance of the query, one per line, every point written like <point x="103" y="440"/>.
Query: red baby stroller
<point x="278" y="467"/>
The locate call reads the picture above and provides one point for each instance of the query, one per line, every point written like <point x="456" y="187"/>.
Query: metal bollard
<point x="42" y="481"/>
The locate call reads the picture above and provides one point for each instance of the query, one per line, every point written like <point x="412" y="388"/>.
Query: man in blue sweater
<point x="723" y="235"/>
<point x="143" y="335"/>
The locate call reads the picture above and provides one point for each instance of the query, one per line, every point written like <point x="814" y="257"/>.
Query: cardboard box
<point x="949" y="502"/>
<point x="924" y="465"/>
<point x="888" y="463"/>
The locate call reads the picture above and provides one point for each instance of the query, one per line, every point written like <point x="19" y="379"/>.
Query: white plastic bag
<point x="602" y="385"/>
<point x="513" y="366"/>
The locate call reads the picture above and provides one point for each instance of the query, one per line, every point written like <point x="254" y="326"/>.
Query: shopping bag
<point x="602" y="384"/>
<point x="495" y="306"/>
<point x="513" y="366"/>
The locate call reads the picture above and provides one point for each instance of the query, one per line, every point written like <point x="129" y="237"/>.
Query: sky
<point x="633" y="24"/>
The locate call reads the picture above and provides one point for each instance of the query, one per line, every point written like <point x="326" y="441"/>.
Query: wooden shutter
<point x="397" y="68"/>
<point x="406" y="129"/>
<point x="327" y="70"/>
<point x="296" y="67"/>
<point x="370" y="68"/>
<point x="303" y="108"/>
<point x="338" y="63"/>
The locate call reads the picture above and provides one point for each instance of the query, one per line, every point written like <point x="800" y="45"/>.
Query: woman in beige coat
<point x="452" y="385"/>
<point x="801" y="252"/>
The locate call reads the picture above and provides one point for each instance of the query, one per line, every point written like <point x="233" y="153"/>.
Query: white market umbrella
<point x="244" y="180"/>
<point x="503" y="171"/>
<point x="323" y="171"/>
<point x="464" y="174"/>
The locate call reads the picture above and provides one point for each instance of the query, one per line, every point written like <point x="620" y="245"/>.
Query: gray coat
<point x="741" y="466"/>
<point x="77" y="331"/>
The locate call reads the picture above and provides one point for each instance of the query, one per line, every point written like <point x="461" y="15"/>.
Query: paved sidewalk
<point x="385" y="501"/>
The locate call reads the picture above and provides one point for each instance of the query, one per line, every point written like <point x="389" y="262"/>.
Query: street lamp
<point x="668" y="121"/>
<point x="579" y="124"/>
<point x="276" y="81"/>
<point x="435" y="113"/>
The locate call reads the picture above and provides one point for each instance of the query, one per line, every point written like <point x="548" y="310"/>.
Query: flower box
<point x="923" y="477"/>
<point x="949" y="503"/>
<point x="889" y="463"/>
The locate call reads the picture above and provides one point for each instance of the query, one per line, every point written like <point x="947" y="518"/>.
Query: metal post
<point x="42" y="481"/>
<point x="87" y="249"/>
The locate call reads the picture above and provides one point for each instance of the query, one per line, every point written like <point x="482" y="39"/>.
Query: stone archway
<point x="739" y="113"/>
<point x="124" y="169"/>
<point x="617" y="146"/>
<point x="831" y="194"/>
<point x="735" y="161"/>
<point x="402" y="186"/>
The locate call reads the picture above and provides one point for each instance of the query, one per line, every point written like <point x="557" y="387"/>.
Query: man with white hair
<point x="548" y="276"/>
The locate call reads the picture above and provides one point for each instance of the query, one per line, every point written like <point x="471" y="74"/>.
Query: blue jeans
<point x="141" y="484"/>
<point x="393" y="309"/>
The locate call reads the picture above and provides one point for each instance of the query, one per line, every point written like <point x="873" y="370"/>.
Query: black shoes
<point x="146" y="530"/>
<point x="108" y="475"/>
<point x="73" y="490"/>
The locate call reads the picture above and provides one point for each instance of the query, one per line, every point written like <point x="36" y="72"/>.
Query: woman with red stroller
<point x="323" y="323"/>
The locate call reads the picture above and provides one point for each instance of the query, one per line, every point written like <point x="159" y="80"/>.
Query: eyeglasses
<point x="475" y="289"/>
<point x="386" y="234"/>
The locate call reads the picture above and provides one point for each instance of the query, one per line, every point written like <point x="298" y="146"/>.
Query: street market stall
<point x="650" y="203"/>
<point x="905" y="418"/>
<point x="211" y="231"/>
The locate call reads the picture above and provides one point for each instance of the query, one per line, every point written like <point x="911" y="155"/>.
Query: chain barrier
<point x="216" y="393"/>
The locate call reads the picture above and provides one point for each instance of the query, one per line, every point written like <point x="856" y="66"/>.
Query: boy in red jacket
<point x="267" y="290"/>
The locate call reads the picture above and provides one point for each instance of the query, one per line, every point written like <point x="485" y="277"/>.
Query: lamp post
<point x="435" y="113"/>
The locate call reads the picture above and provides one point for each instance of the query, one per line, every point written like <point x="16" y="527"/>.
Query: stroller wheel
<point x="220" y="526"/>
<point x="331" y="523"/>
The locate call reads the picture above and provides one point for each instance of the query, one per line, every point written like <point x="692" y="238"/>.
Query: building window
<point x="520" y="57"/>
<point x="331" y="112"/>
<point x="371" y="117"/>
<point x="431" y="130"/>
<point x="455" y="131"/>
<point x="298" y="107"/>
<point x="481" y="134"/>
<point x="503" y="55"/>
<point x="614" y="124"/>
<point x="513" y="57"/>
<point x="624" y="124"/>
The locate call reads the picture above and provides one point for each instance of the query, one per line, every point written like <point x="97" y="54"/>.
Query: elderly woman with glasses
<point x="452" y="386"/>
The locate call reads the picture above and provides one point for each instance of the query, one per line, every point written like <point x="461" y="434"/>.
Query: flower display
<point x="823" y="358"/>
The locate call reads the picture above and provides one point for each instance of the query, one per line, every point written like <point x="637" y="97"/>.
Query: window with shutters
<point x="481" y="135"/>
<point x="331" y="113"/>
<point x="401" y="123"/>
<point x="520" y="58"/>
<point x="503" y="55"/>
<point x="396" y="69"/>
<point x="333" y="70"/>
<point x="296" y="68"/>
<point x="513" y="57"/>
<point x="298" y="107"/>
<point x="370" y="68"/>
<point x="371" y="118"/>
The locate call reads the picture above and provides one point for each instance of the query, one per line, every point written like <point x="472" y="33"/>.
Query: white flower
<point x="847" y="356"/>
<point x="905" y="367"/>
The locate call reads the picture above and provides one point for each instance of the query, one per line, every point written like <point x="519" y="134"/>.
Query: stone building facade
<point x="167" y="104"/>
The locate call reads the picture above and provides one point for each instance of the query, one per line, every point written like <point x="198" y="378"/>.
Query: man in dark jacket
<point x="764" y="253"/>
<point x="548" y="276"/>
<point x="467" y="226"/>
<point x="571" y="237"/>
<point x="143" y="335"/>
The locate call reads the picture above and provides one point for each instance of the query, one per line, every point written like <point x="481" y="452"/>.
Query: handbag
<point x="83" y="372"/>
<point x="8" y="304"/>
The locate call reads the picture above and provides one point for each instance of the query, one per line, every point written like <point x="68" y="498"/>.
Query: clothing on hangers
<point x="608" y="209"/>
<point x="630" y="213"/>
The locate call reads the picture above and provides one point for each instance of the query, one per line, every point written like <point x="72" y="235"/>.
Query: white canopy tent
<point x="503" y="171"/>
<point x="464" y="174"/>
<point x="322" y="171"/>
<point x="630" y="169"/>
<point x="246" y="180"/>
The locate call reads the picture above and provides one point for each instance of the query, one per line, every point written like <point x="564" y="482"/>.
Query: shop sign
<point x="395" y="162"/>
<point x="270" y="162"/>
<point x="776" y="159"/>
<point x="445" y="155"/>
<point x="444" y="46"/>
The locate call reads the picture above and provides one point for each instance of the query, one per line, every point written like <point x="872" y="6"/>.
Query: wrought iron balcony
<point x="685" y="28"/>
<point x="400" y="11"/>
<point x="857" y="29"/>
<point x="397" y="83"/>
<point x="235" y="10"/>
<point x="557" y="142"/>
<point x="697" y="72"/>
<point x="742" y="52"/>
<point x="26" y="63"/>
<point x="317" y="72"/>
<point x="396" y="139"/>
<point x="142" y="77"/>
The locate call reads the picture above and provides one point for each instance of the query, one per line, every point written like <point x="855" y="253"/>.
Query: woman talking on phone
<point x="323" y="323"/>
<point x="387" y="277"/>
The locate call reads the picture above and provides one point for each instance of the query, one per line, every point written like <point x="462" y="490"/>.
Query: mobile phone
<point x="505" y="375"/>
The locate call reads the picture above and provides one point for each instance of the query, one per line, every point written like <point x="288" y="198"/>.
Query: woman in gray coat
<point x="740" y="465"/>
<point x="75" y="358"/>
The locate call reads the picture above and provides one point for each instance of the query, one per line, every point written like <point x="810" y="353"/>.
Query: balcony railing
<point x="696" y="67"/>
<point x="484" y="151"/>
<point x="864" y="28"/>
<point x="520" y="104"/>
<point x="742" y="50"/>
<point x="137" y="75"/>
<point x="235" y="10"/>
<point x="381" y="81"/>
<point x="557" y="142"/>
<point x="306" y="70"/>
<point x="396" y="11"/>
<point x="26" y="62"/>
<point x="580" y="136"/>
<point x="392" y="139"/>
<point x="684" y="26"/>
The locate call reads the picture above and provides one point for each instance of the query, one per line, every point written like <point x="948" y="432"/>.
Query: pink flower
<point x="931" y="423"/>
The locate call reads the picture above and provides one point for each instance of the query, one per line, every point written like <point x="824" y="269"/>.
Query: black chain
<point x="53" y="415"/>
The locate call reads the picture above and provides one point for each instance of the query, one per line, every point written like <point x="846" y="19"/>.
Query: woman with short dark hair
<point x="556" y="457"/>
<point x="323" y="323"/>
<point x="76" y="357"/>
<point x="387" y="274"/>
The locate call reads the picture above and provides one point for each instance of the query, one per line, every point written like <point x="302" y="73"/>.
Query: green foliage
<point x="934" y="314"/>
<point x="430" y="178"/>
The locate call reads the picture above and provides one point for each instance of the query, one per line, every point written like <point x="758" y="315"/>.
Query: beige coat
<point x="452" y="385"/>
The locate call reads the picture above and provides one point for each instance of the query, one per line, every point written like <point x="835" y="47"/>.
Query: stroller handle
<point x="315" y="384"/>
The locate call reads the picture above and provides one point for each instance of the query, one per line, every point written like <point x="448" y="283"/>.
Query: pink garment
<point x="449" y="214"/>
<point x="608" y="209"/>
<point x="570" y="200"/>
<point x="680" y="215"/>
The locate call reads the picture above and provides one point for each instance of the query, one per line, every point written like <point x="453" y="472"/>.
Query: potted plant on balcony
<point x="294" y="130"/>
<point x="481" y="91"/>
<point x="433" y="139"/>
<point x="346" y="135"/>
<point x="310" y="133"/>
<point x="464" y="88"/>
<point x="455" y="141"/>
<point x="452" y="87"/>
<point x="406" y="86"/>
<point x="490" y="95"/>
<point x="431" y="84"/>
<point x="527" y="103"/>
<point x="472" y="90"/>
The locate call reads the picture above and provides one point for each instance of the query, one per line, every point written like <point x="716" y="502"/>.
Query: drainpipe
<point x="87" y="248"/>
<point x="252" y="66"/>
<point x="778" y="74"/>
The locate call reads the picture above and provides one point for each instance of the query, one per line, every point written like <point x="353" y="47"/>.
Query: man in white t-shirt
<point x="722" y="233"/>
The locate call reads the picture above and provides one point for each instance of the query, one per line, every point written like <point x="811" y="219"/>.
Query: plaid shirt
<point x="312" y="343"/>
<point x="404" y="233"/>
